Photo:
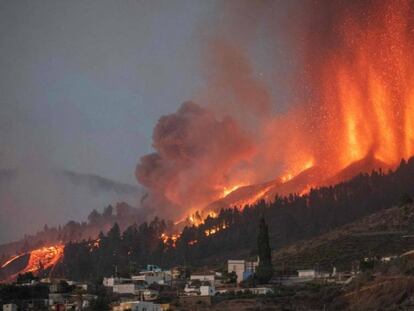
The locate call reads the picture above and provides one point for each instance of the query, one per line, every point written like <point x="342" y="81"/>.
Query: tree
<point x="94" y="217"/>
<point x="25" y="278"/>
<point x="100" y="304"/>
<point x="114" y="234"/>
<point x="264" y="271"/>
<point x="107" y="213"/>
<point x="405" y="199"/>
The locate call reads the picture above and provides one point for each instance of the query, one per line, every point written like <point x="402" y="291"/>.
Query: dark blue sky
<point x="83" y="82"/>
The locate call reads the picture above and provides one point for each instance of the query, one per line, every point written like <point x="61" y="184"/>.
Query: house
<point x="154" y="274"/>
<point x="137" y="306"/>
<point x="260" y="290"/>
<point x="203" y="277"/>
<point x="126" y="288"/>
<point x="198" y="288"/>
<point x="308" y="273"/>
<point x="66" y="301"/>
<point x="10" y="307"/>
<point x="177" y="272"/>
<point x="243" y="269"/>
<point x="153" y="268"/>
<point x="110" y="282"/>
<point x="150" y="277"/>
<point x="207" y="290"/>
<point x="79" y="285"/>
<point x="313" y="274"/>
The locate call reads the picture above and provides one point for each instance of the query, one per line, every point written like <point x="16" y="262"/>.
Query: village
<point x="155" y="289"/>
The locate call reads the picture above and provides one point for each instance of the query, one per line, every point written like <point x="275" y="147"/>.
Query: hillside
<point x="62" y="195"/>
<point x="232" y="232"/>
<point x="385" y="233"/>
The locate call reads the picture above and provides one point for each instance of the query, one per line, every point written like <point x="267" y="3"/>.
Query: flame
<point x="301" y="168"/>
<point x="170" y="239"/>
<point x="260" y="194"/>
<point x="215" y="229"/>
<point x="230" y="189"/>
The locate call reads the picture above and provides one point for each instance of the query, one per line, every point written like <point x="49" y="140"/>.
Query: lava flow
<point x="40" y="259"/>
<point x="44" y="258"/>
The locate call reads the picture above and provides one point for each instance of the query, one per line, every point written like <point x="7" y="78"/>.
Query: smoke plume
<point x="345" y="95"/>
<point x="196" y="156"/>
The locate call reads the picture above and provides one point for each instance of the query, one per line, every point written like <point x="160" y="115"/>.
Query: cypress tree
<point x="264" y="271"/>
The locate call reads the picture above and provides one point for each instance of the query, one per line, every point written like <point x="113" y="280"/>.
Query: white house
<point x="242" y="268"/>
<point x="10" y="307"/>
<point x="308" y="273"/>
<point x="313" y="274"/>
<point x="203" y="277"/>
<point x="260" y="290"/>
<point x="159" y="277"/>
<point x="207" y="290"/>
<point x="110" y="282"/>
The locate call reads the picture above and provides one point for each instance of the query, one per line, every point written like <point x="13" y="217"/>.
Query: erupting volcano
<point x="354" y="112"/>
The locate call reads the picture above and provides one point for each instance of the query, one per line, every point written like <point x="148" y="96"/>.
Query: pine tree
<point x="264" y="271"/>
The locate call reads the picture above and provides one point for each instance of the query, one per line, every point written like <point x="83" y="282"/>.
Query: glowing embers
<point x="94" y="244"/>
<point x="296" y="171"/>
<point x="365" y="87"/>
<point x="170" y="239"/>
<point x="215" y="229"/>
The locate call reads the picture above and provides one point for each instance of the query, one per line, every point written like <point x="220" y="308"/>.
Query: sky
<point x="82" y="83"/>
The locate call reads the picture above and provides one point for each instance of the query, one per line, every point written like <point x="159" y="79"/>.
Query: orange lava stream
<point x="44" y="258"/>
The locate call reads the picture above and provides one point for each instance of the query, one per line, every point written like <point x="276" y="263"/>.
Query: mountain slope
<point x="385" y="233"/>
<point x="30" y="199"/>
<point x="312" y="177"/>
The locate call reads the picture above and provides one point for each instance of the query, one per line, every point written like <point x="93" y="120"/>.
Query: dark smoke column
<point x="196" y="156"/>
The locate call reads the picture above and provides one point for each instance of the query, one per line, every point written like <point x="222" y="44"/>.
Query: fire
<point x="44" y="258"/>
<point x="260" y="194"/>
<point x="94" y="244"/>
<point x="170" y="239"/>
<point x="228" y="190"/>
<point x="289" y="176"/>
<point x="215" y="229"/>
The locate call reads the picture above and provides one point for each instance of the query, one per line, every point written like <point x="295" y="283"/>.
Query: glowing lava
<point x="44" y="258"/>
<point x="228" y="190"/>
<point x="40" y="259"/>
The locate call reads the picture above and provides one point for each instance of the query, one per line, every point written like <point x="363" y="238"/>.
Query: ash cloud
<point x="196" y="155"/>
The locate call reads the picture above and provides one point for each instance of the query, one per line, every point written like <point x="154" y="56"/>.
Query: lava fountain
<point x="355" y="109"/>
